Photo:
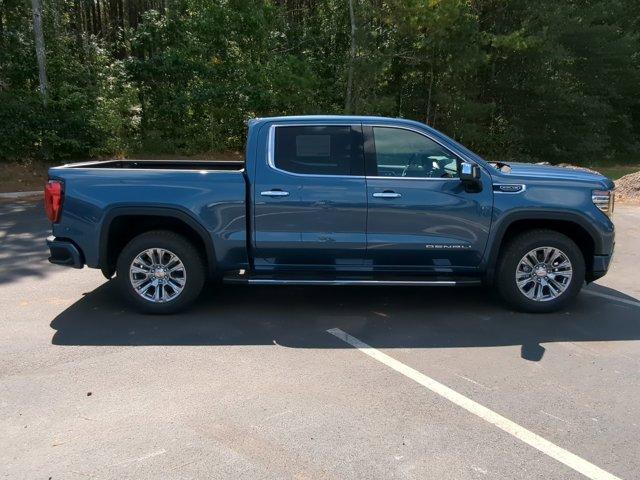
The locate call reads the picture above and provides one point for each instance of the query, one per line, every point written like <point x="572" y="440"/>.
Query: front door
<point x="420" y="216"/>
<point x="310" y="204"/>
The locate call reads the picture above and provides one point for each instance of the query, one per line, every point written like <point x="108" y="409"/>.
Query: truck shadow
<point x="298" y="317"/>
<point x="23" y="229"/>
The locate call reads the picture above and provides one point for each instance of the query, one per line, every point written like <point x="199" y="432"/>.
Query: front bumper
<point x="64" y="252"/>
<point x="600" y="266"/>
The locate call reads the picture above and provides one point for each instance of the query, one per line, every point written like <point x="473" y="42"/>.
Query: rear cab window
<point x="319" y="149"/>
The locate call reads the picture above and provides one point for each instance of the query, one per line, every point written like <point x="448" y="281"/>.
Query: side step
<point x="348" y="281"/>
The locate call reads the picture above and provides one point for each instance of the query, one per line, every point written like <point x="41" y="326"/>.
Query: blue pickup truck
<point x="334" y="200"/>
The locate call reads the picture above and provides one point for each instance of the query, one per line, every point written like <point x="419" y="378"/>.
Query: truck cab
<point x="335" y="200"/>
<point x="371" y="195"/>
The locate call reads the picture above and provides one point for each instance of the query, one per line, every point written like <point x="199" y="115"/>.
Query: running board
<point x="407" y="283"/>
<point x="355" y="282"/>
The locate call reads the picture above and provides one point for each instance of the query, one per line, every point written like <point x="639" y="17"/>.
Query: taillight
<point x="53" y="200"/>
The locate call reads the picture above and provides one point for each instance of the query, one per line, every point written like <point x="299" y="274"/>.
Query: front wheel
<point x="540" y="271"/>
<point x="160" y="272"/>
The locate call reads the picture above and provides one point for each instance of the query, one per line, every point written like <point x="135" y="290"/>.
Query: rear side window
<point x="318" y="150"/>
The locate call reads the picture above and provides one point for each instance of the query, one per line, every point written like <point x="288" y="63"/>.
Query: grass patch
<point x="614" y="172"/>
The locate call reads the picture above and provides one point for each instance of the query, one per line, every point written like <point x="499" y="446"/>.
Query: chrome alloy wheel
<point x="544" y="274"/>
<point x="157" y="275"/>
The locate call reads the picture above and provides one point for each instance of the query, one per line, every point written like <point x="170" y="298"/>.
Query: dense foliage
<point x="513" y="79"/>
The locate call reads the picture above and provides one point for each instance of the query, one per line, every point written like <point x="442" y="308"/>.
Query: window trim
<point x="271" y="147"/>
<point x="411" y="129"/>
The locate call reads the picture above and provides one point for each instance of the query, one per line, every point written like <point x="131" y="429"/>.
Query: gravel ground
<point x="628" y="188"/>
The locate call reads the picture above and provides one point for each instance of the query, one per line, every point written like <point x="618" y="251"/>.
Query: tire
<point x="169" y="260"/>
<point x="558" y="283"/>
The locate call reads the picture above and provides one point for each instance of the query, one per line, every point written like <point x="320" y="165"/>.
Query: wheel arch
<point x="121" y="224"/>
<point x="573" y="225"/>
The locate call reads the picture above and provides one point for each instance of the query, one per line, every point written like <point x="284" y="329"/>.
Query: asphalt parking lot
<point x="249" y="384"/>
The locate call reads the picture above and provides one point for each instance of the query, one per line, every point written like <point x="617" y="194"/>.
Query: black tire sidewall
<point x="180" y="246"/>
<point x="511" y="257"/>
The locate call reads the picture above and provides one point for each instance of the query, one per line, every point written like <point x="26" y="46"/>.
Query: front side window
<point x="404" y="153"/>
<point x="318" y="150"/>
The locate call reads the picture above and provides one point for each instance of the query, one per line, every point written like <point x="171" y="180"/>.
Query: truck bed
<point x="208" y="194"/>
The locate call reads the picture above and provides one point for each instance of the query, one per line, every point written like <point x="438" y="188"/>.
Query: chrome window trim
<point x="424" y="134"/>
<point x="412" y="178"/>
<point x="271" y="147"/>
<point x="271" y="150"/>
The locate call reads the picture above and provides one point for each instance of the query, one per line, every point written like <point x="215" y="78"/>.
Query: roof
<point x="337" y="118"/>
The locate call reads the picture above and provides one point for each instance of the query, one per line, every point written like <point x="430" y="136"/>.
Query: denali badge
<point x="509" y="187"/>
<point x="443" y="246"/>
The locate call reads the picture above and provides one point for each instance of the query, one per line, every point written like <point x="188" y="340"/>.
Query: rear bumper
<point x="64" y="252"/>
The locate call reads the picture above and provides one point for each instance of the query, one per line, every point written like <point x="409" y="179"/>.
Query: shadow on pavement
<point x="383" y="317"/>
<point x="23" y="229"/>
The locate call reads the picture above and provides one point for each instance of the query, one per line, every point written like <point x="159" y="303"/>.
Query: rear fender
<point x="171" y="212"/>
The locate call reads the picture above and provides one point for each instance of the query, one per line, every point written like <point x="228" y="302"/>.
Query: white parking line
<point x="13" y="195"/>
<point x="578" y="464"/>
<point x="635" y="303"/>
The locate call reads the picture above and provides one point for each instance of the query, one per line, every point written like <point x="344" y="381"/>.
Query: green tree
<point x="514" y="80"/>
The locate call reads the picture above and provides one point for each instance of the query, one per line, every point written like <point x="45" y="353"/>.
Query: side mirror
<point x="469" y="173"/>
<point x="470" y="177"/>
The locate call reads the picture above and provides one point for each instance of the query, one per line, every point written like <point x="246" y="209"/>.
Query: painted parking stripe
<point x="634" y="303"/>
<point x="578" y="464"/>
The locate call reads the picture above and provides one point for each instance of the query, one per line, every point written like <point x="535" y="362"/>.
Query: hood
<point x="530" y="170"/>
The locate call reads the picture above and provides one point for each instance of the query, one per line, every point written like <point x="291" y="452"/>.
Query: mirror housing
<point x="469" y="173"/>
<point x="470" y="177"/>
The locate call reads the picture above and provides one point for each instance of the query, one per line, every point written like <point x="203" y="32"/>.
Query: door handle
<point x="274" y="193"/>
<point x="387" y="194"/>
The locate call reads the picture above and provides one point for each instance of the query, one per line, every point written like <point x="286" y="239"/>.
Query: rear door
<point x="310" y="204"/>
<point x="421" y="217"/>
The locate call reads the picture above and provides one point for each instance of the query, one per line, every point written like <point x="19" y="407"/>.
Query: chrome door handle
<point x="387" y="195"/>
<point x="274" y="193"/>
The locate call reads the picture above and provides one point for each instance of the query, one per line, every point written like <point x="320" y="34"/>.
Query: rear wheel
<point x="540" y="271"/>
<point x="160" y="272"/>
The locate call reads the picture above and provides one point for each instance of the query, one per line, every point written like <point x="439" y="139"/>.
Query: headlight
<point x="604" y="200"/>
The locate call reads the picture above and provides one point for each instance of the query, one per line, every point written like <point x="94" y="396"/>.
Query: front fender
<point x="600" y="230"/>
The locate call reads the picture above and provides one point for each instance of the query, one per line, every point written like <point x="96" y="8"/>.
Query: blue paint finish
<point x="331" y="223"/>
<point x="321" y="222"/>
<point x="557" y="193"/>
<point x="434" y="226"/>
<point x="214" y="200"/>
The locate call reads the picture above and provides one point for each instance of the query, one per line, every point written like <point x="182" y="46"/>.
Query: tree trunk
<point x="94" y="17"/>
<point x="55" y="10"/>
<point x="1" y="29"/>
<point x="99" y="17"/>
<point x="39" y="37"/>
<point x="78" y="24"/>
<point x="121" y="13"/>
<point x="352" y="58"/>
<point x="429" y="94"/>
